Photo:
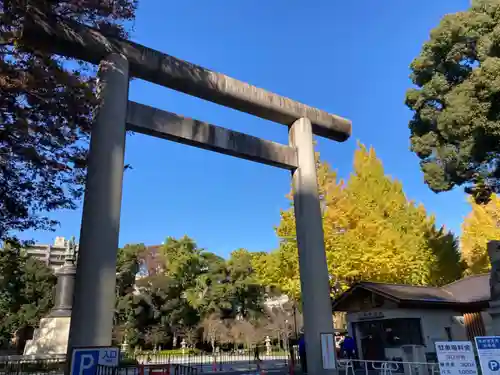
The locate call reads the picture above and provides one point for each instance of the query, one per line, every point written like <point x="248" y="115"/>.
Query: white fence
<point x="32" y="358"/>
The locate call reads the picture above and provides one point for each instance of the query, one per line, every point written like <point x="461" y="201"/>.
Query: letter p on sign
<point x="86" y="363"/>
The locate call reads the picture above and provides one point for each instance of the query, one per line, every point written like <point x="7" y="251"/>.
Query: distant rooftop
<point x="469" y="290"/>
<point x="59" y="242"/>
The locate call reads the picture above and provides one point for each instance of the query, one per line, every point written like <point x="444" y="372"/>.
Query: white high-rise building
<point x="52" y="255"/>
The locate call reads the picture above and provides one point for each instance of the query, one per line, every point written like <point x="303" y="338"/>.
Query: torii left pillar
<point x="94" y="297"/>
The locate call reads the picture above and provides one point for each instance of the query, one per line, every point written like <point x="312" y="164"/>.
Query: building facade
<point x="52" y="255"/>
<point x="389" y="321"/>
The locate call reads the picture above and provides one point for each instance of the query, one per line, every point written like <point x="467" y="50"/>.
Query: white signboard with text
<point x="328" y="351"/>
<point x="456" y="358"/>
<point x="488" y="349"/>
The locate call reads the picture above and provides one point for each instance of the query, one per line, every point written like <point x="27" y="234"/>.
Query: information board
<point x="488" y="349"/>
<point x="456" y="358"/>
<point x="85" y="360"/>
<point x="328" y="351"/>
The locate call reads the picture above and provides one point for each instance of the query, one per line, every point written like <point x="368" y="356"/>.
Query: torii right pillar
<point x="314" y="280"/>
<point x="494" y="310"/>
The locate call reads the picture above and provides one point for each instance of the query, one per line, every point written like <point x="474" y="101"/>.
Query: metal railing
<point x="221" y="361"/>
<point x="45" y="364"/>
<point x="165" y="369"/>
<point x="155" y="363"/>
<point x="195" y="364"/>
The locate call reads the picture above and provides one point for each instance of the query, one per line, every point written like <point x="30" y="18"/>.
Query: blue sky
<point x="347" y="57"/>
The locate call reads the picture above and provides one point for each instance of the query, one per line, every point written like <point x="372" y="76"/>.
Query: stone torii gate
<point x="118" y="59"/>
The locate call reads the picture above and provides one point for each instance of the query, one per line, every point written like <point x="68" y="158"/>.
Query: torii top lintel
<point x="74" y="40"/>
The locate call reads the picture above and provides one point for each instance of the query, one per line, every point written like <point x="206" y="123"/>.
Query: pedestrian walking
<point x="302" y="353"/>
<point x="256" y="355"/>
<point x="348" y="348"/>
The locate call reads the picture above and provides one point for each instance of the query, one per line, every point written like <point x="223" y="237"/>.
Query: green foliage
<point x="190" y="288"/>
<point x="26" y="292"/>
<point x="246" y="293"/>
<point x="127" y="267"/>
<point x="455" y="129"/>
<point x="45" y="115"/>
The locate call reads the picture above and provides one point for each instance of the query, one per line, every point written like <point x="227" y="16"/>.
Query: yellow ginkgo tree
<point x="480" y="226"/>
<point x="372" y="232"/>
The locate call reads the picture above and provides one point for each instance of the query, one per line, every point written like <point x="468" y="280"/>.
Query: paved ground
<point x="247" y="372"/>
<point x="242" y="366"/>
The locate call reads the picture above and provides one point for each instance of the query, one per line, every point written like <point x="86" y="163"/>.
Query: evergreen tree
<point x="127" y="267"/>
<point x="27" y="289"/>
<point x="246" y="292"/>
<point x="455" y="129"/>
<point x="191" y="290"/>
<point x="480" y="226"/>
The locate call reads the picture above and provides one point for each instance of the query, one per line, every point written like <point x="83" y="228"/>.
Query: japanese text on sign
<point x="456" y="358"/>
<point x="488" y="349"/>
<point x="84" y="361"/>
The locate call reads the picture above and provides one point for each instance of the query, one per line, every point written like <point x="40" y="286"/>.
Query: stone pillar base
<point x="50" y="338"/>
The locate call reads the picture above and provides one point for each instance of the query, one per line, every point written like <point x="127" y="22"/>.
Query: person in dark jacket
<point x="256" y="353"/>
<point x="302" y="353"/>
<point x="348" y="348"/>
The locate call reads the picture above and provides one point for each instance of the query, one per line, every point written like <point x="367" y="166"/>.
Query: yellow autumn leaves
<point x="481" y="225"/>
<point x="372" y="232"/>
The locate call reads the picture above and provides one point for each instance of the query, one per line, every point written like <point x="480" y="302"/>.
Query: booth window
<point x="403" y="331"/>
<point x="392" y="333"/>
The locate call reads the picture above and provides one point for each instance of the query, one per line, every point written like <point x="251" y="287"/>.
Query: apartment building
<point x="52" y="255"/>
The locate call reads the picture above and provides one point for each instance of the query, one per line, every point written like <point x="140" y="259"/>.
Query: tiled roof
<point x="470" y="289"/>
<point x="467" y="290"/>
<point x="408" y="292"/>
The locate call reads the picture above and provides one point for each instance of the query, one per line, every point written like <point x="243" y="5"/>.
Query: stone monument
<point x="268" y="345"/>
<point x="494" y="310"/>
<point x="183" y="346"/>
<point x="51" y="337"/>
<point x="125" y="345"/>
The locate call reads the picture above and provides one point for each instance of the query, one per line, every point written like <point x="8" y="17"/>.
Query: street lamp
<point x="295" y="320"/>
<point x="286" y="336"/>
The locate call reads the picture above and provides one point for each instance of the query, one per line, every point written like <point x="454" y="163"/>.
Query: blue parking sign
<point x="85" y="360"/>
<point x="488" y="350"/>
<point x="493" y="365"/>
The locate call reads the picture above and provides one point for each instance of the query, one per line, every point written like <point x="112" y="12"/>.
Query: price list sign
<point x="456" y="358"/>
